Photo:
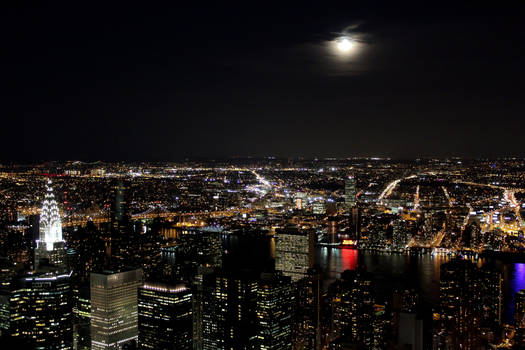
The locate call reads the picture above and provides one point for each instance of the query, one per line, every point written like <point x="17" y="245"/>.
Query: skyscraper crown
<point x="50" y="223"/>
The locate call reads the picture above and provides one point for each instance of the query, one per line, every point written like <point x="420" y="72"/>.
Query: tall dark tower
<point x="117" y="243"/>
<point x="119" y="207"/>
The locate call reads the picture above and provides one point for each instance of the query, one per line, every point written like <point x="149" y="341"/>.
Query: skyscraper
<point x="409" y="326"/>
<point x="198" y="306"/>
<point x="355" y="229"/>
<point x="332" y="230"/>
<point x="275" y="300"/>
<point x="319" y="207"/>
<point x="120" y="242"/>
<point x="229" y="310"/>
<point x="352" y="304"/>
<point x="119" y="206"/>
<point x="50" y="247"/>
<point x="307" y="332"/>
<point x="40" y="302"/>
<point x="114" y="315"/>
<point x="400" y="235"/>
<point x="81" y="318"/>
<point x="459" y="299"/>
<point x="41" y="311"/>
<point x="519" y="319"/>
<point x="244" y="310"/>
<point x="519" y="309"/>
<point x="490" y="301"/>
<point x="294" y="252"/>
<point x="350" y="192"/>
<point x="340" y="299"/>
<point x="165" y="317"/>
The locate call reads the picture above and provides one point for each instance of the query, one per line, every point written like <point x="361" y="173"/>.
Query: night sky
<point x="131" y="82"/>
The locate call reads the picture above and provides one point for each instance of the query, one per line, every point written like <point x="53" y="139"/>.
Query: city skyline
<point x="294" y="254"/>
<point x="262" y="176"/>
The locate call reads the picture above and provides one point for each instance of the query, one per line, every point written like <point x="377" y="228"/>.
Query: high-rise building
<point x="5" y="313"/>
<point x="245" y="310"/>
<point x="340" y="300"/>
<point x="119" y="206"/>
<point x="41" y="311"/>
<point x="294" y="252"/>
<point x="203" y="247"/>
<point x="307" y="331"/>
<point x="491" y="300"/>
<point x="81" y="318"/>
<point x="40" y="302"/>
<point x="519" y="319"/>
<point x="410" y="331"/>
<point x="165" y="316"/>
<point x="198" y="306"/>
<point x="331" y="207"/>
<point x="332" y="230"/>
<point x="275" y="300"/>
<point x="363" y="308"/>
<point x="350" y="192"/>
<point x="459" y="295"/>
<point x="519" y="309"/>
<point x="319" y="207"/>
<point x="7" y="272"/>
<point x="355" y="228"/>
<point x="406" y="319"/>
<point x="114" y="315"/>
<point x="471" y="237"/>
<point x="400" y="235"/>
<point x="353" y="314"/>
<point x="229" y="318"/>
<point x="50" y="247"/>
<point x="470" y="306"/>
<point x="300" y="199"/>
<point x="120" y="242"/>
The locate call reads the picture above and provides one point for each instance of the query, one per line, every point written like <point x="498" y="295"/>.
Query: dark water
<point x="390" y="271"/>
<point x="420" y="272"/>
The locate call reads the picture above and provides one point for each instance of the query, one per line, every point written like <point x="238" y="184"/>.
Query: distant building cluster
<point x="260" y="254"/>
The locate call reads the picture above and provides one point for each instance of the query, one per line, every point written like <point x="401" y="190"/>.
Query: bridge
<point x="149" y="215"/>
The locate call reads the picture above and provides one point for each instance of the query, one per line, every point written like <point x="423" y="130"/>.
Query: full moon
<point x="344" y="44"/>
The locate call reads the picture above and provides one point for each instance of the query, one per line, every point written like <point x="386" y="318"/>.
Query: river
<point x="419" y="272"/>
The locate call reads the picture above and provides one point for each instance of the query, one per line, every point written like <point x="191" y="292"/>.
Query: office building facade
<point x="114" y="314"/>
<point x="294" y="252"/>
<point x="165" y="317"/>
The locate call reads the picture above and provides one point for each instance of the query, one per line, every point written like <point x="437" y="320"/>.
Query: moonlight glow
<point x="344" y="44"/>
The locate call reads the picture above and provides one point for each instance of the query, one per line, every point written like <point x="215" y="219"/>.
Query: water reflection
<point x="170" y="232"/>
<point x="515" y="273"/>
<point x="419" y="272"/>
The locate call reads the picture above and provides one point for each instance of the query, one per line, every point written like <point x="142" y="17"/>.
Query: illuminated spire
<point x="50" y="223"/>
